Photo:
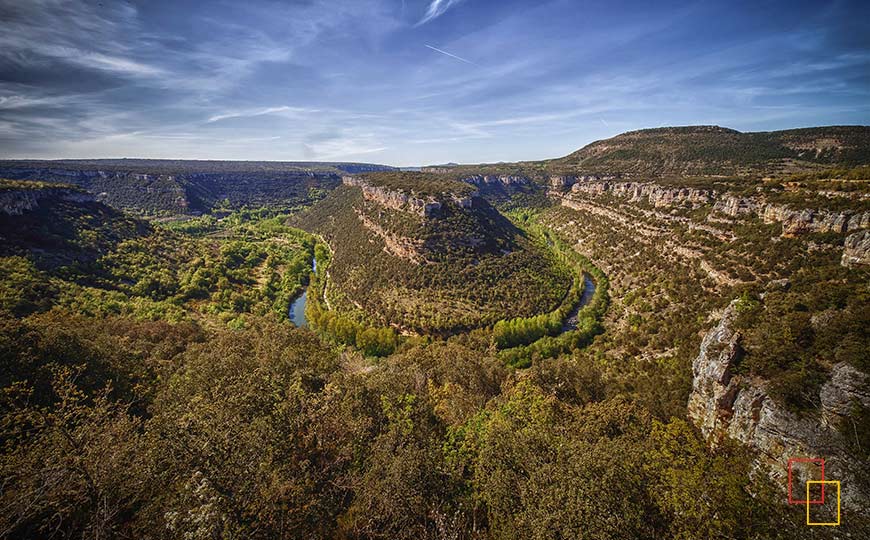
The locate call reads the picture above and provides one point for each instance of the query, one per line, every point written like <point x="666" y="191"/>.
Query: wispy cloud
<point x="18" y="101"/>
<point x="105" y="62"/>
<point x="436" y="9"/>
<point x="74" y="33"/>
<point x="450" y="55"/>
<point x="260" y="112"/>
<point x="341" y="149"/>
<point x="264" y="79"/>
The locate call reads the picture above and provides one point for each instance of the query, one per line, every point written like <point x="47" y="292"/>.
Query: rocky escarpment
<point x="158" y="187"/>
<point x="503" y="179"/>
<point x="856" y="249"/>
<point x="133" y="191"/>
<point x="15" y="202"/>
<point x="424" y="206"/>
<point x="654" y="194"/>
<point x="563" y="182"/>
<point x="724" y="404"/>
<point x="794" y="222"/>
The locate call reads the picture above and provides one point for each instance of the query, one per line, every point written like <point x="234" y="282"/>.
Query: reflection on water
<point x="297" y="307"/>
<point x="297" y="310"/>
<point x="588" y="292"/>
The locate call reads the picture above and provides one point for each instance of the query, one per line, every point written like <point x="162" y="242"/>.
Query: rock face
<point x="856" y="249"/>
<point x="561" y="182"/>
<point x="428" y="207"/>
<point x="396" y="200"/>
<point x="504" y="179"/>
<point x="736" y="206"/>
<point x="657" y="196"/>
<point x="723" y="404"/>
<point x="409" y="249"/>
<point x="15" y="202"/>
<point x="796" y="222"/>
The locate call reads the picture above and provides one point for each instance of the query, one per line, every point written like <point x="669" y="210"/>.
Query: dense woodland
<point x="483" y="269"/>
<point x="153" y="386"/>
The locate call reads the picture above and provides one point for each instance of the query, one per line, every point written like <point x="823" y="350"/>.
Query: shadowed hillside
<point x="172" y="187"/>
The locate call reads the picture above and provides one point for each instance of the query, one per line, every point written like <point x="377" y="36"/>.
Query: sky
<point x="405" y="82"/>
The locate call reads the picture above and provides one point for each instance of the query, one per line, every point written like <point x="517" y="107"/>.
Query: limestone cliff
<point x="654" y="194"/>
<point x="15" y="202"/>
<point x="670" y="204"/>
<point x="423" y="206"/>
<point x="503" y="179"/>
<point x="563" y="182"/>
<point x="796" y="222"/>
<point x="856" y="250"/>
<point x="725" y="404"/>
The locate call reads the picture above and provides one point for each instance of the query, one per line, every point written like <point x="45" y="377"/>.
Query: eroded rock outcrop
<point x="503" y="179"/>
<point x="656" y="195"/>
<point x="733" y="206"/>
<point x="796" y="222"/>
<point x="564" y="182"/>
<point x="428" y="206"/>
<point x="15" y="202"/>
<point x="396" y="200"/>
<point x="856" y="249"/>
<point x="406" y="248"/>
<point x="725" y="404"/>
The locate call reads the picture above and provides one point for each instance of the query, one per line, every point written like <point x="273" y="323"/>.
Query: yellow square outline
<point x="837" y="482"/>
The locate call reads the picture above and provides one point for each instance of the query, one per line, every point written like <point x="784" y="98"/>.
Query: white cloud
<point x="436" y="9"/>
<point x="341" y="149"/>
<point x="74" y="32"/>
<point x="101" y="61"/>
<point x="294" y="111"/>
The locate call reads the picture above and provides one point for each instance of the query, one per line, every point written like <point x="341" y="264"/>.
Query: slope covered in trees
<point x="88" y="257"/>
<point x="463" y="268"/>
<point x="173" y="187"/>
<point x="152" y="386"/>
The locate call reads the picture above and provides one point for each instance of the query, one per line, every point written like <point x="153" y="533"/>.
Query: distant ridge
<point x="169" y="187"/>
<point x="718" y="150"/>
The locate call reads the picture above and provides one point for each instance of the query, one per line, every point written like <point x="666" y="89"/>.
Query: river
<point x="588" y="292"/>
<point x="297" y="306"/>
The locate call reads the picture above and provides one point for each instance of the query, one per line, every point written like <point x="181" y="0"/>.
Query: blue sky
<point x="414" y="82"/>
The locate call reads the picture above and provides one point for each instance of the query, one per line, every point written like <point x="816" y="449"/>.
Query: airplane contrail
<point x="450" y="55"/>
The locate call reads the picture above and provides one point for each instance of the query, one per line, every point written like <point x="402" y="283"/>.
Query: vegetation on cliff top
<point x="716" y="150"/>
<point x="420" y="184"/>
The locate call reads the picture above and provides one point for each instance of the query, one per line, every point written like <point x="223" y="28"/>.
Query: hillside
<point x="491" y="352"/>
<point x="781" y="266"/>
<point x="428" y="254"/>
<point x="176" y="187"/>
<point x="59" y="247"/>
<point x="713" y="150"/>
<point x="59" y="225"/>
